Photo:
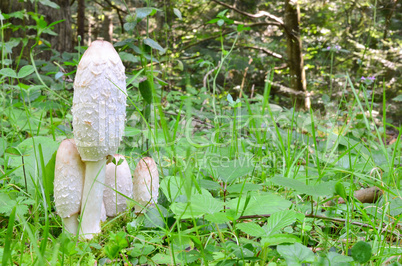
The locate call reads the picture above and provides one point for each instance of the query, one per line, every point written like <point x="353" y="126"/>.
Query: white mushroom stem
<point x="92" y="197"/>
<point x="71" y="223"/>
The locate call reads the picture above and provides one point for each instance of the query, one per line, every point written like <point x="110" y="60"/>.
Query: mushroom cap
<point x="99" y="103"/>
<point x="146" y="183"/>
<point x="68" y="179"/>
<point x="121" y="176"/>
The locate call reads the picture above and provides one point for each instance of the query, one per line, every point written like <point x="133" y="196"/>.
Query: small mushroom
<point x="146" y="184"/>
<point x="118" y="178"/>
<point x="68" y="184"/>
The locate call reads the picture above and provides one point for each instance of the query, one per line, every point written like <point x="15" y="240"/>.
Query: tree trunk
<point x="62" y="42"/>
<point x="294" y="54"/>
<point x="81" y="20"/>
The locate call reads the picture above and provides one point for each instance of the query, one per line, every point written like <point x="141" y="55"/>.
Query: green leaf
<point x="229" y="98"/>
<point x="259" y="204"/>
<point x="155" y="217"/>
<point x="319" y="190"/>
<point x="335" y="259"/>
<point x="143" y="12"/>
<point x="33" y="169"/>
<point x="279" y="220"/>
<point x="340" y="190"/>
<point x="172" y="187"/>
<point x="129" y="26"/>
<point x="146" y="91"/>
<point x="398" y="98"/>
<point x="49" y="3"/>
<point x="279" y="239"/>
<point x="131" y="131"/>
<point x="237" y="188"/>
<point x="296" y="254"/>
<point x="8" y="72"/>
<point x="361" y="252"/>
<point x="153" y="44"/>
<point x="218" y="218"/>
<point x="200" y="204"/>
<point x="128" y="57"/>
<point x="206" y="203"/>
<point x="251" y="229"/>
<point x="177" y="13"/>
<point x="25" y="71"/>
<point x="229" y="171"/>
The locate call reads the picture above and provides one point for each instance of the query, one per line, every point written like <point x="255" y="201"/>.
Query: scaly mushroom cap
<point x="68" y="180"/>
<point x="121" y="176"/>
<point x="145" y="183"/>
<point x="99" y="103"/>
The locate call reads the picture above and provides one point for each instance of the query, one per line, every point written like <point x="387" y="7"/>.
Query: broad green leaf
<point x="237" y="188"/>
<point x="395" y="203"/>
<point x="128" y="57"/>
<point x="7" y="204"/>
<point x="340" y="190"/>
<point x="206" y="203"/>
<point x="143" y="12"/>
<point x="259" y="204"/>
<point x="161" y="258"/>
<point x="398" y="98"/>
<point x="361" y="252"/>
<point x="154" y="45"/>
<point x="279" y="239"/>
<point x="201" y="204"/>
<point x="131" y="131"/>
<point x="154" y="217"/>
<point x="49" y="3"/>
<point x="32" y="162"/>
<point x="279" y="220"/>
<point x="251" y="229"/>
<point x="8" y="72"/>
<point x="172" y="187"/>
<point x="229" y="171"/>
<point x="177" y="13"/>
<point x="296" y="254"/>
<point x="335" y="259"/>
<point x="146" y="91"/>
<point x="218" y="218"/>
<point x="25" y="71"/>
<point x="209" y="184"/>
<point x="319" y="190"/>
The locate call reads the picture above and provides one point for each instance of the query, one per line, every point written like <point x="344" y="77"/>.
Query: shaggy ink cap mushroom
<point x="68" y="184"/>
<point x="118" y="178"/>
<point x="145" y="184"/>
<point x="99" y="111"/>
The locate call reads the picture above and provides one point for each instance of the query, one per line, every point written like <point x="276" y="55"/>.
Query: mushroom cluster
<point x="84" y="183"/>
<point x="69" y="186"/>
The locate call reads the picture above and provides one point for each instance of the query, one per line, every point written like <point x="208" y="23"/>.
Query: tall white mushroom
<point x="68" y="184"/>
<point x="99" y="110"/>
<point x="118" y="178"/>
<point x="146" y="183"/>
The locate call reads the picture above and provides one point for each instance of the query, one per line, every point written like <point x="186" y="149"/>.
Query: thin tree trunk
<point x="81" y="20"/>
<point x="294" y="54"/>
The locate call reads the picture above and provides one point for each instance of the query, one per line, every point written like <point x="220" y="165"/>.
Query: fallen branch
<point x="268" y="52"/>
